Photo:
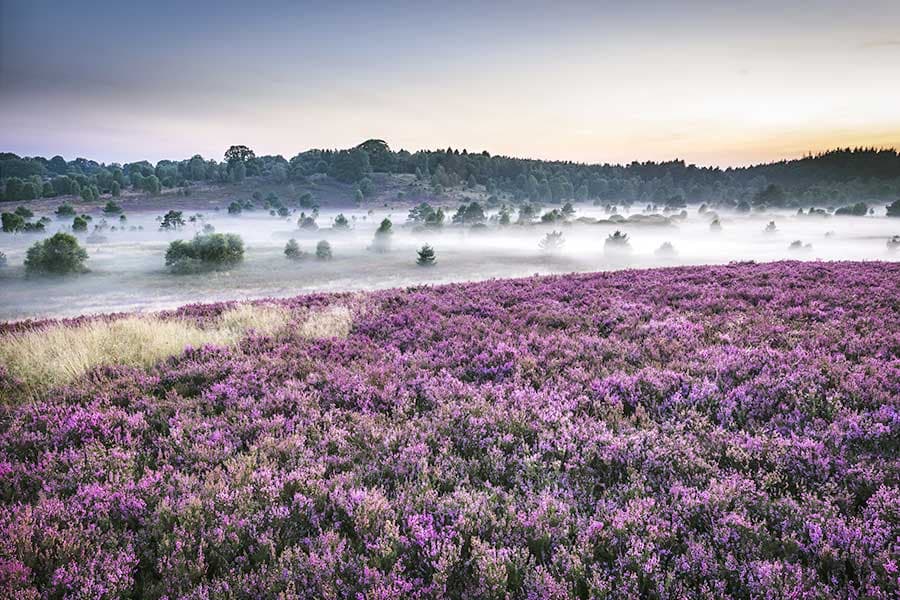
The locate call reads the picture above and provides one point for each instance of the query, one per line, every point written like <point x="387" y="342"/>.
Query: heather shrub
<point x="204" y="252"/>
<point x="57" y="255"/>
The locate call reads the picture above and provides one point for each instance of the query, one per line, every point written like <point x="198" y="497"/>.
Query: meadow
<point x="702" y="431"/>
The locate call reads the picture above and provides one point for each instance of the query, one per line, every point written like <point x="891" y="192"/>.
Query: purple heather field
<point x="706" y="432"/>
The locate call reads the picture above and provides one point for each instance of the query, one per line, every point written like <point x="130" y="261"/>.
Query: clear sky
<point x="711" y="82"/>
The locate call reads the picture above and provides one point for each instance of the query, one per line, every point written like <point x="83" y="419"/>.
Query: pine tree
<point x="425" y="256"/>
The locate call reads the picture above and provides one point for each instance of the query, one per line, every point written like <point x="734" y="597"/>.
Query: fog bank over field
<point x="127" y="269"/>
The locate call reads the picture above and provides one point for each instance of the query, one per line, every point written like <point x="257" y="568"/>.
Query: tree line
<point x="835" y="177"/>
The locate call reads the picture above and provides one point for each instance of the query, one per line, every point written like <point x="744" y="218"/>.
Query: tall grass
<point x="44" y="358"/>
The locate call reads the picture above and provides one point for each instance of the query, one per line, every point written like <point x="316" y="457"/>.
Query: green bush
<point x="65" y="210"/>
<point x="425" y="256"/>
<point x="205" y="252"/>
<point x="323" y="250"/>
<point x="79" y="224"/>
<point x="112" y="208"/>
<point x="292" y="250"/>
<point x="860" y="209"/>
<point x="57" y="255"/>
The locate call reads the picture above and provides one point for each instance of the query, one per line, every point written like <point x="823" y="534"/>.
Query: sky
<point x="709" y="82"/>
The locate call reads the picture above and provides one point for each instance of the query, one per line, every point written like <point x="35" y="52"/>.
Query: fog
<point x="127" y="270"/>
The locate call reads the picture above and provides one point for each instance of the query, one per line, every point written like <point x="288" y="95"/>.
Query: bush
<point x="860" y="209"/>
<point x="57" y="255"/>
<point x="893" y="209"/>
<point x="292" y="250"/>
<point x="79" y="224"/>
<point x="171" y="221"/>
<point x="307" y="222"/>
<point x="617" y="241"/>
<point x="235" y="208"/>
<point x="341" y="222"/>
<point x="12" y="222"/>
<point x="893" y="242"/>
<point x="2" y="260"/>
<point x="205" y="252"/>
<point x="65" y="210"/>
<point x="425" y="256"/>
<point x="771" y="228"/>
<point x="323" y="250"/>
<point x="382" y="241"/>
<point x="24" y="212"/>
<point x="112" y="208"/>
<point x="666" y="249"/>
<point x="552" y="242"/>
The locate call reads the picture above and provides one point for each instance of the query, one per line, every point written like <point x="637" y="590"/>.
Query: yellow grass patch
<point x="55" y="355"/>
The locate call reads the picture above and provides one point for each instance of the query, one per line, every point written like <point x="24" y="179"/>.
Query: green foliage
<point x="235" y="208"/>
<point x="112" y="208"/>
<point x="57" y="255"/>
<point x="292" y="250"/>
<point x="115" y="189"/>
<point x="860" y="209"/>
<point x="323" y="250"/>
<point x="893" y="209"/>
<point x="350" y="166"/>
<point x="79" y="224"/>
<point x="204" y="252"/>
<point x="12" y="223"/>
<point x="382" y="241"/>
<point x="552" y="242"/>
<point x="341" y="223"/>
<point x="469" y="214"/>
<point x="425" y="256"/>
<point x="24" y="212"/>
<point x="171" y="221"/>
<point x="425" y="215"/>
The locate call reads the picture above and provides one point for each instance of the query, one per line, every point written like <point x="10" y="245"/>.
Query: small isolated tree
<point x="771" y="228"/>
<point x="893" y="242"/>
<point x="617" y="241"/>
<point x="65" y="211"/>
<point x="307" y="222"/>
<point x="893" y="209"/>
<point x="172" y="221"/>
<point x="715" y="225"/>
<point x="323" y="250"/>
<point x="425" y="256"/>
<point x="57" y="255"/>
<point x="382" y="241"/>
<point x="115" y="189"/>
<point x="666" y="249"/>
<point x="292" y="250"/>
<point x="2" y="260"/>
<point x="79" y="224"/>
<point x="112" y="208"/>
<point x="341" y="223"/>
<point x="235" y="208"/>
<point x="12" y="222"/>
<point x="552" y="242"/>
<point x="205" y="252"/>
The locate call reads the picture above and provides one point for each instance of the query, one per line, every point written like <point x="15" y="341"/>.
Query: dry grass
<point x="45" y="358"/>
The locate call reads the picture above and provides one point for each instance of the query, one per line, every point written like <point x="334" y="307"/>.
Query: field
<point x="728" y="431"/>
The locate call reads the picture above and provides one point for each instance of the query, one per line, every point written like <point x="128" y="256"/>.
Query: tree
<point x="425" y="256"/>
<point x="65" y="210"/>
<point x="24" y="212"/>
<point x="893" y="209"/>
<point x="57" y="255"/>
<point x="323" y="250"/>
<point x="617" y="241"/>
<point x="206" y="251"/>
<point x="234" y="208"/>
<point x="112" y="208"/>
<point x="172" y="221"/>
<point x="238" y="154"/>
<point x="349" y="166"/>
<point x="115" y="189"/>
<point x="383" y="235"/>
<point x="860" y="209"/>
<point x="341" y="223"/>
<point x="79" y="224"/>
<point x="552" y="242"/>
<point x="292" y="250"/>
<point x="12" y="222"/>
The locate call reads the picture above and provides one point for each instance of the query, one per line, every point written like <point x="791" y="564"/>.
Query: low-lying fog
<point x="127" y="269"/>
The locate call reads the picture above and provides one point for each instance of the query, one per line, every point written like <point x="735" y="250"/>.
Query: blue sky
<point x="709" y="82"/>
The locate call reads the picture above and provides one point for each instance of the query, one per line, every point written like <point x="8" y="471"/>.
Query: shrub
<point x="893" y="209"/>
<point x="171" y="221"/>
<point x="65" y="210"/>
<point x="771" y="228"/>
<point x="323" y="250"/>
<point x="425" y="256"/>
<point x="552" y="242"/>
<point x="341" y="222"/>
<point x="617" y="241"/>
<point x="382" y="241"/>
<point x="860" y="209"/>
<point x="666" y="249"/>
<point x="893" y="242"/>
<point x="24" y="212"/>
<point x="292" y="250"/>
<point x="2" y="260"/>
<point x="715" y="225"/>
<point x="307" y="223"/>
<point x="12" y="222"/>
<point x="79" y="224"/>
<point x="204" y="252"/>
<point x="112" y="208"/>
<point x="57" y="255"/>
<point x="235" y="208"/>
